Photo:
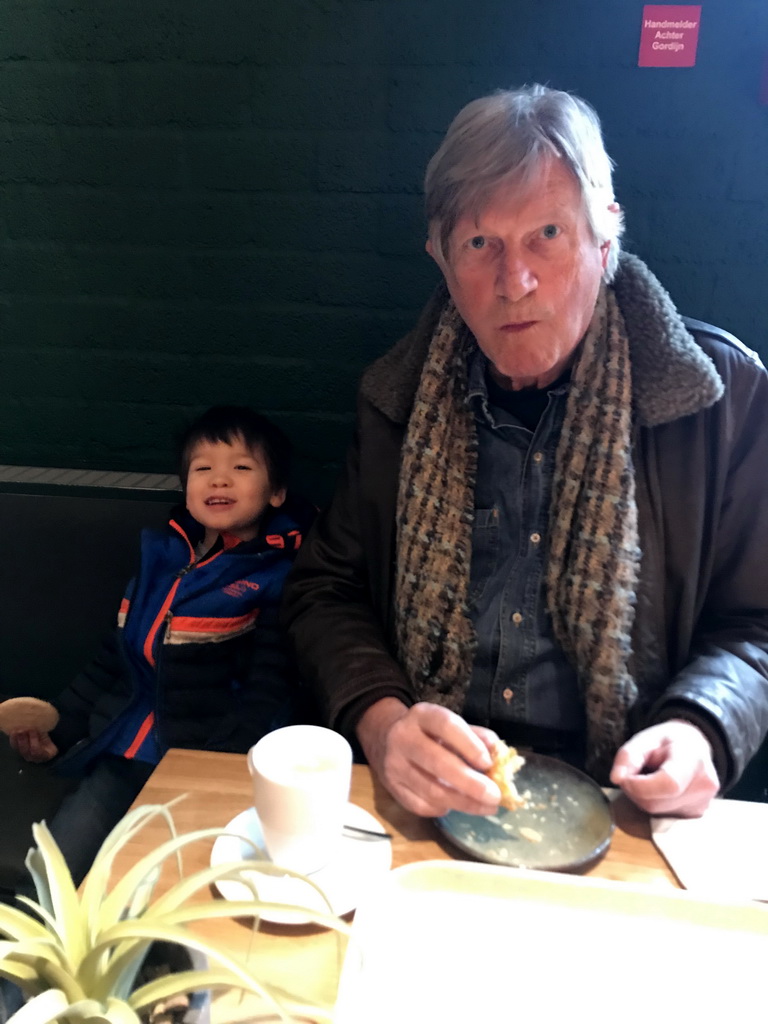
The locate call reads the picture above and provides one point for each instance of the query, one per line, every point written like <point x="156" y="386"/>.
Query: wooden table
<point x="219" y="787"/>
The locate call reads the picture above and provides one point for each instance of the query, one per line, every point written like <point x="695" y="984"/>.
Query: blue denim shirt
<point x="520" y="673"/>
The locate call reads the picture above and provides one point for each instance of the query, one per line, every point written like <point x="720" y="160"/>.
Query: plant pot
<point x="167" y="958"/>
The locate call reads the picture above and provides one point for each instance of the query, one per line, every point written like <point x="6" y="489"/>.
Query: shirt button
<point x="517" y="618"/>
<point x="507" y="694"/>
<point x="537" y="456"/>
<point x="535" y="538"/>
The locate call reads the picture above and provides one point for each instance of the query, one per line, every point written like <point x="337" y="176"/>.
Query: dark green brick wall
<point x="215" y="200"/>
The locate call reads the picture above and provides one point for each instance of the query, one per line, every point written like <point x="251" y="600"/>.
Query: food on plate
<point x="506" y="764"/>
<point x="531" y="834"/>
<point x="19" y="714"/>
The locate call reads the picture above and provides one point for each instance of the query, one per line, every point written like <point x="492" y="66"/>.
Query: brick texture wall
<point x="219" y="200"/>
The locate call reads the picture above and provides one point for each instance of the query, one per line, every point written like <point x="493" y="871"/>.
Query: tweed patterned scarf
<point x="593" y="561"/>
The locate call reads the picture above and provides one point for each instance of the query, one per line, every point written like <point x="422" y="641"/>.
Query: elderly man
<point x="553" y="524"/>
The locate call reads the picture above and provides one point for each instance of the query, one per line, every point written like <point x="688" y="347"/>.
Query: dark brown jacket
<point x="700" y="636"/>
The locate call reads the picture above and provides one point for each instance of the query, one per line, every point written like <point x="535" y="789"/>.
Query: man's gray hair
<point x="502" y="139"/>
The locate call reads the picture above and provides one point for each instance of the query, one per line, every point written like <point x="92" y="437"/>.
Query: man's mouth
<point x="218" y="501"/>
<point x="516" y="328"/>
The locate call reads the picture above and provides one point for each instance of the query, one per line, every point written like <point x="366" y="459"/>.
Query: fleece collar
<point x="672" y="377"/>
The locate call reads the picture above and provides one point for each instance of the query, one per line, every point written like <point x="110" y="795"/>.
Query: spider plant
<point x="76" y="956"/>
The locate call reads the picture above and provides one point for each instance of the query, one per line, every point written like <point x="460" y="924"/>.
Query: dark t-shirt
<point x="528" y="404"/>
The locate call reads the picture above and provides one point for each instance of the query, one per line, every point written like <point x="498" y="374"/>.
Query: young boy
<point x="197" y="659"/>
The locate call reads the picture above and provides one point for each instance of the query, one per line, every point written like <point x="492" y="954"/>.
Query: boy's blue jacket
<point x="197" y="659"/>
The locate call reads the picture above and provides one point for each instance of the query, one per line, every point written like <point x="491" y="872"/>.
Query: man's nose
<point x="221" y="478"/>
<point x="515" y="277"/>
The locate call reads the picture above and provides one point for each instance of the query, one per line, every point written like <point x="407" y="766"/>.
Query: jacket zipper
<point x="165" y="616"/>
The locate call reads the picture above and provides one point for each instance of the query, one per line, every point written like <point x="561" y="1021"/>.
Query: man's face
<point x="228" y="488"/>
<point x="525" y="276"/>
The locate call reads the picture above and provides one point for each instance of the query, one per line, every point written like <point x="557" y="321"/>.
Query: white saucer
<point x="343" y="881"/>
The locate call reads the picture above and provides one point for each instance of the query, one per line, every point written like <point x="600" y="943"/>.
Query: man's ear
<point x="437" y="258"/>
<point x="277" y="498"/>
<point x="605" y="249"/>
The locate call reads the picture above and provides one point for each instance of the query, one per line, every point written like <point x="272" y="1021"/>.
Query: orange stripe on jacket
<point x="193" y="624"/>
<point x="150" y="638"/>
<point x="157" y="623"/>
<point x="183" y="535"/>
<point x="141" y="735"/>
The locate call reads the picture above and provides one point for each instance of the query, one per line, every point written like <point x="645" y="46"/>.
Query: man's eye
<point x="243" y="467"/>
<point x="550" y="231"/>
<point x="478" y="242"/>
<point x="201" y="469"/>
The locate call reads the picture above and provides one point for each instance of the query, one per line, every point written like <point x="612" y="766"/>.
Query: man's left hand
<point x="668" y="769"/>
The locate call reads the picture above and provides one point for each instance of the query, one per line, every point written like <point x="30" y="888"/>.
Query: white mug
<point x="301" y="777"/>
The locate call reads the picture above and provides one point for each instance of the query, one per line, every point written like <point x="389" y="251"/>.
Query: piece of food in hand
<point x="22" y="714"/>
<point x="506" y="764"/>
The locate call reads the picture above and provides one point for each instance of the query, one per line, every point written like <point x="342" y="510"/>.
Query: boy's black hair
<point x="225" y="423"/>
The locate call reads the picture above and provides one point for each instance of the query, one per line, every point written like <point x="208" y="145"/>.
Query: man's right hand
<point x="429" y="759"/>
<point x="33" y="745"/>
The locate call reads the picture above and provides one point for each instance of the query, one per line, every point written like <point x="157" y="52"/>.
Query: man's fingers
<point x="679" y="787"/>
<point x="428" y="764"/>
<point x="662" y="785"/>
<point x="454" y="773"/>
<point x="638" y="756"/>
<point x="430" y="797"/>
<point x="442" y="780"/>
<point x="452" y="732"/>
<point x="690" y="804"/>
<point x="691" y="807"/>
<point x="488" y="737"/>
<point x="667" y="769"/>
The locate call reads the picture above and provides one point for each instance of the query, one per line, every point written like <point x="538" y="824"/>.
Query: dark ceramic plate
<point x="566" y="826"/>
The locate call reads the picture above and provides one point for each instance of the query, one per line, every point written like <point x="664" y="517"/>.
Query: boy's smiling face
<point x="228" y="488"/>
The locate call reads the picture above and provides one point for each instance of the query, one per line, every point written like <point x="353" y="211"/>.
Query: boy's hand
<point x="33" y="745"/>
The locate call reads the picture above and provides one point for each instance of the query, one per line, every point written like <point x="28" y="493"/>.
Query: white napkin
<point x="722" y="854"/>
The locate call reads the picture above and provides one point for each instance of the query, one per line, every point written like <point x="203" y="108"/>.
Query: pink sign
<point x="669" y="35"/>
